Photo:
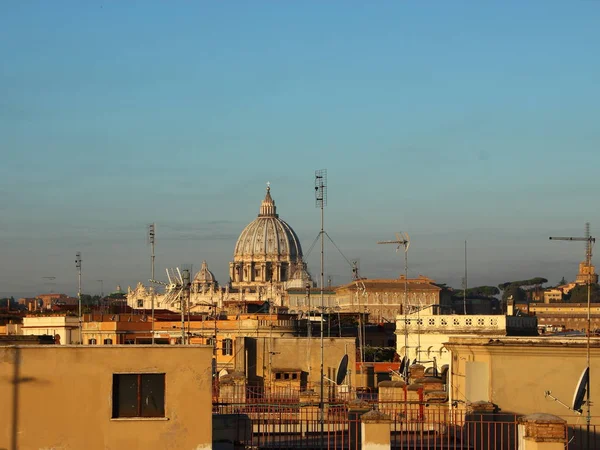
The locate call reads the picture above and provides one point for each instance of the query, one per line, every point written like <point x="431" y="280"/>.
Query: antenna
<point x="465" y="283"/>
<point x="151" y="241"/>
<point x="589" y="240"/>
<point x="185" y="288"/>
<point x="360" y="290"/>
<point x="321" y="202"/>
<point x="78" y="266"/>
<point x="403" y="240"/>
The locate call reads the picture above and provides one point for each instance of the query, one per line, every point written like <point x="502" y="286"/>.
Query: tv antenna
<point x="321" y="202"/>
<point x="403" y="241"/>
<point x="360" y="291"/>
<point x="584" y="382"/>
<point x="151" y="241"/>
<point x="78" y="266"/>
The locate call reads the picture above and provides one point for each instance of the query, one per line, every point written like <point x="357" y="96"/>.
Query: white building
<point x="427" y="333"/>
<point x="65" y="327"/>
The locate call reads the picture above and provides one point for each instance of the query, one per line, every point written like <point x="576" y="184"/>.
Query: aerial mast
<point x="78" y="266"/>
<point x="152" y="240"/>
<point x="321" y="202"/>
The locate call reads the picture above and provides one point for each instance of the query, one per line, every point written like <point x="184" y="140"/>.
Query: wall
<point x="295" y="353"/>
<point x="520" y="370"/>
<point x="63" y="397"/>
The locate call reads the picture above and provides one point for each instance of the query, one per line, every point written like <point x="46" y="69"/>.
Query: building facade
<point x="99" y="397"/>
<point x="422" y="337"/>
<point x="64" y="328"/>
<point x="515" y="373"/>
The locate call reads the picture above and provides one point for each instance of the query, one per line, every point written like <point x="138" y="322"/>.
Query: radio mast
<point x="321" y="202"/>
<point x="78" y="266"/>
<point x="152" y="240"/>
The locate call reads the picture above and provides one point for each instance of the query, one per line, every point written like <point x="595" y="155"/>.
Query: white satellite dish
<point x="580" y="390"/>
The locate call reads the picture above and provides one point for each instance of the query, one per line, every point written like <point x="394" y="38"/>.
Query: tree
<point x="479" y="292"/>
<point x="531" y="282"/>
<point x="514" y="292"/>
<point x="562" y="281"/>
<point x="579" y="294"/>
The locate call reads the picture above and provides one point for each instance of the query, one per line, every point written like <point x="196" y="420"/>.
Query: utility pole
<point x="78" y="266"/>
<point x="465" y="286"/>
<point x="590" y="241"/>
<point x="151" y="239"/>
<point x="403" y="240"/>
<point x="321" y="202"/>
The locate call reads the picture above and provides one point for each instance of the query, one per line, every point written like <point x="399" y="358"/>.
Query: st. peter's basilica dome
<point x="267" y="252"/>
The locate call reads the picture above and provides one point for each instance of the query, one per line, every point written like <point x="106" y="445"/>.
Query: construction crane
<point x="590" y="241"/>
<point x="403" y="240"/>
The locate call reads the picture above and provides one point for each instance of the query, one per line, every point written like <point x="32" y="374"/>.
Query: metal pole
<point x="405" y="307"/>
<point x="78" y="265"/>
<point x="465" y="287"/>
<point x="152" y="240"/>
<point x="588" y="417"/>
<point x="322" y="404"/>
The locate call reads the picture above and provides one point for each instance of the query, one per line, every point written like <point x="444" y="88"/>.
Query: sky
<point x="452" y="121"/>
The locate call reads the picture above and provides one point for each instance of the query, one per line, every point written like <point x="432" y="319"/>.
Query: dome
<point x="268" y="237"/>
<point x="266" y="254"/>
<point x="204" y="276"/>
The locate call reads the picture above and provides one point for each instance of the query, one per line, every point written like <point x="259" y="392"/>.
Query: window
<point x="227" y="347"/>
<point x="210" y="341"/>
<point x="107" y="341"/>
<point x="140" y="303"/>
<point x="92" y="341"/>
<point x="138" y="395"/>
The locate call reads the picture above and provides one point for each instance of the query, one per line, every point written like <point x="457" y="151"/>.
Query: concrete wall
<point x="520" y="370"/>
<point x="62" y="397"/>
<point x="260" y="355"/>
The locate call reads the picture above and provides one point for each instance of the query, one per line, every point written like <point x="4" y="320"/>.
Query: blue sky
<point x="450" y="120"/>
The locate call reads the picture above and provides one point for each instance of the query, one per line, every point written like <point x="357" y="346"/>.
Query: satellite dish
<point x="402" y="365"/>
<point x="342" y="370"/>
<point x="580" y="390"/>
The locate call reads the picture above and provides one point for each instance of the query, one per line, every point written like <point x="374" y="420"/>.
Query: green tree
<point x="562" y="281"/>
<point x="515" y="292"/>
<point x="579" y="294"/>
<point x="531" y="282"/>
